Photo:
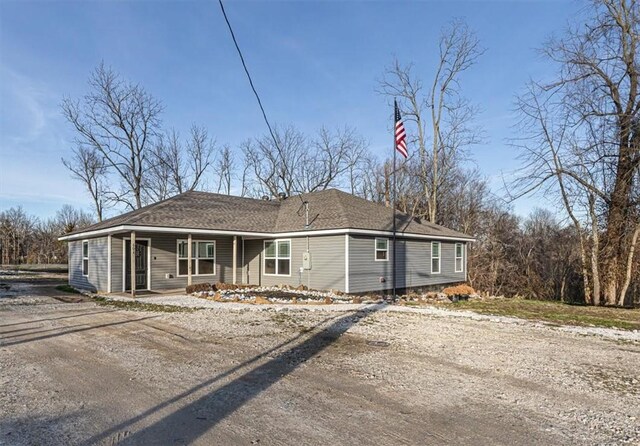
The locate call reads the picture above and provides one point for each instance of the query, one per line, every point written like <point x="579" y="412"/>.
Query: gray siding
<point x="97" y="280"/>
<point x="327" y="263"/>
<point x="413" y="265"/>
<point x="116" y="264"/>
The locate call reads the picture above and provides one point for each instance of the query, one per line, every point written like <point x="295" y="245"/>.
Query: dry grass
<point x="459" y="290"/>
<point x="555" y="312"/>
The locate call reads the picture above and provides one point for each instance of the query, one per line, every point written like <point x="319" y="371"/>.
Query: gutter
<point x="156" y="229"/>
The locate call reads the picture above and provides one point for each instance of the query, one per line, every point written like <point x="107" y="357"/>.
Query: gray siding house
<point x="323" y="240"/>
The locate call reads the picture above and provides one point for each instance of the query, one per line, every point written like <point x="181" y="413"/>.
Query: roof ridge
<point x="235" y="197"/>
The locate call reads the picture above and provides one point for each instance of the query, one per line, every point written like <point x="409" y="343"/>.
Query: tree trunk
<point x="614" y="247"/>
<point x="595" y="273"/>
<point x="627" y="280"/>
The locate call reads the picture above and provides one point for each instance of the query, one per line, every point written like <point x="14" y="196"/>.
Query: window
<point x="459" y="255"/>
<point x="85" y="258"/>
<point x="203" y="258"/>
<point x="277" y="257"/>
<point x="382" y="249"/>
<point x="435" y="257"/>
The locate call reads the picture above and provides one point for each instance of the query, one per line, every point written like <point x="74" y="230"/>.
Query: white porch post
<point x="189" y="256"/>
<point x="109" y="263"/>
<point x="132" y="263"/>
<point x="235" y="258"/>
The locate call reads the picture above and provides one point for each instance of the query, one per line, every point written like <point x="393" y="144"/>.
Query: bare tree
<point x="69" y="219"/>
<point x="174" y="167"/>
<point x="223" y="170"/>
<point x="88" y="166"/>
<point x="119" y="121"/>
<point x="584" y="141"/>
<point x="15" y="228"/>
<point x="302" y="164"/>
<point x="441" y="117"/>
<point x="200" y="150"/>
<point x="27" y="239"/>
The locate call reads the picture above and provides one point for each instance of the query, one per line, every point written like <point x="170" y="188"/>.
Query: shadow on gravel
<point x="66" y="331"/>
<point x="55" y="318"/>
<point x="37" y="429"/>
<point x="189" y="422"/>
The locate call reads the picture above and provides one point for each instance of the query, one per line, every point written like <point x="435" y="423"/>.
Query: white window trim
<point x="277" y="257"/>
<point x="439" y="258"/>
<point x="375" y="249"/>
<point x="194" y="256"/>
<point x="124" y="263"/>
<point x="83" y="258"/>
<point x="461" y="258"/>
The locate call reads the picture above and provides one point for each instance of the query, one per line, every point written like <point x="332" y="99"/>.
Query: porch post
<point x="235" y="258"/>
<point x="132" y="263"/>
<point x="189" y="256"/>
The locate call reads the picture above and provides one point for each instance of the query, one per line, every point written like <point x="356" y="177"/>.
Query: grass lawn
<point x="555" y="312"/>
<point x="67" y="289"/>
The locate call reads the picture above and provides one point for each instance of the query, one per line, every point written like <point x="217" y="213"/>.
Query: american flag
<point x="401" y="135"/>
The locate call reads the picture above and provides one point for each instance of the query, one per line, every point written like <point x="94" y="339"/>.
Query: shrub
<point x="459" y="290"/>
<point x="199" y="287"/>
<point x="221" y="286"/>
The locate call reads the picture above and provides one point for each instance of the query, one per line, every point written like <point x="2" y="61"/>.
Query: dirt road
<point x="80" y="373"/>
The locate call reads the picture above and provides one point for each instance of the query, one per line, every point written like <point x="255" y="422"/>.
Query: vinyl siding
<point x="97" y="280"/>
<point x="413" y="265"/>
<point x="164" y="261"/>
<point x="327" y="263"/>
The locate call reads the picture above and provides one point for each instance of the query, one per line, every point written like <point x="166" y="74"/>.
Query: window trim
<point x="456" y="258"/>
<point x="277" y="257"/>
<point x="375" y="249"/>
<point x="194" y="256"/>
<point x="439" y="257"/>
<point x="85" y="258"/>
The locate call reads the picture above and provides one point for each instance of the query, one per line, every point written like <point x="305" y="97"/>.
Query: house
<point x="323" y="240"/>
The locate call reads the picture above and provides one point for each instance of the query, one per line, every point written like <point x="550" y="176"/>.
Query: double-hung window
<point x="382" y="249"/>
<point x="203" y="258"/>
<point x="435" y="257"/>
<point x="85" y="258"/>
<point x="459" y="257"/>
<point x="277" y="257"/>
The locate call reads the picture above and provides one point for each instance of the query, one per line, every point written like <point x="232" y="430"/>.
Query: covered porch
<point x="165" y="261"/>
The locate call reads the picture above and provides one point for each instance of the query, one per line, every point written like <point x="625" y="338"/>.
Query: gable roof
<point x="330" y="209"/>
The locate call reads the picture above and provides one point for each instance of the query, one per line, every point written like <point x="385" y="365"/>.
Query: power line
<point x="246" y="70"/>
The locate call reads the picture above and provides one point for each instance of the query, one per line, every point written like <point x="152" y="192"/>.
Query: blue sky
<point x="314" y="64"/>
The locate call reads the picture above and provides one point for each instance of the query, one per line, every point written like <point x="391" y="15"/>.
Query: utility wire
<point x="246" y="70"/>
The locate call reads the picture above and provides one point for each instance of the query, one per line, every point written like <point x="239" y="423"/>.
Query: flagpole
<point x="393" y="206"/>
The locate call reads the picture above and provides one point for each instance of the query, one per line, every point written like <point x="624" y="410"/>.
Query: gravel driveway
<point x="80" y="373"/>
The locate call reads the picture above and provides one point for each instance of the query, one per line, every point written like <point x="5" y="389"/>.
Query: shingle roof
<point x="328" y="209"/>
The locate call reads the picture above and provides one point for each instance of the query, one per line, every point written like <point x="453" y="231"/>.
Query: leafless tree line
<point x="580" y="143"/>
<point x="27" y="239"/>
<point x="579" y="140"/>
<point x="125" y="159"/>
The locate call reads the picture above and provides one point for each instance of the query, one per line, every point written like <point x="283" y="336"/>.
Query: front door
<point x="140" y="263"/>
